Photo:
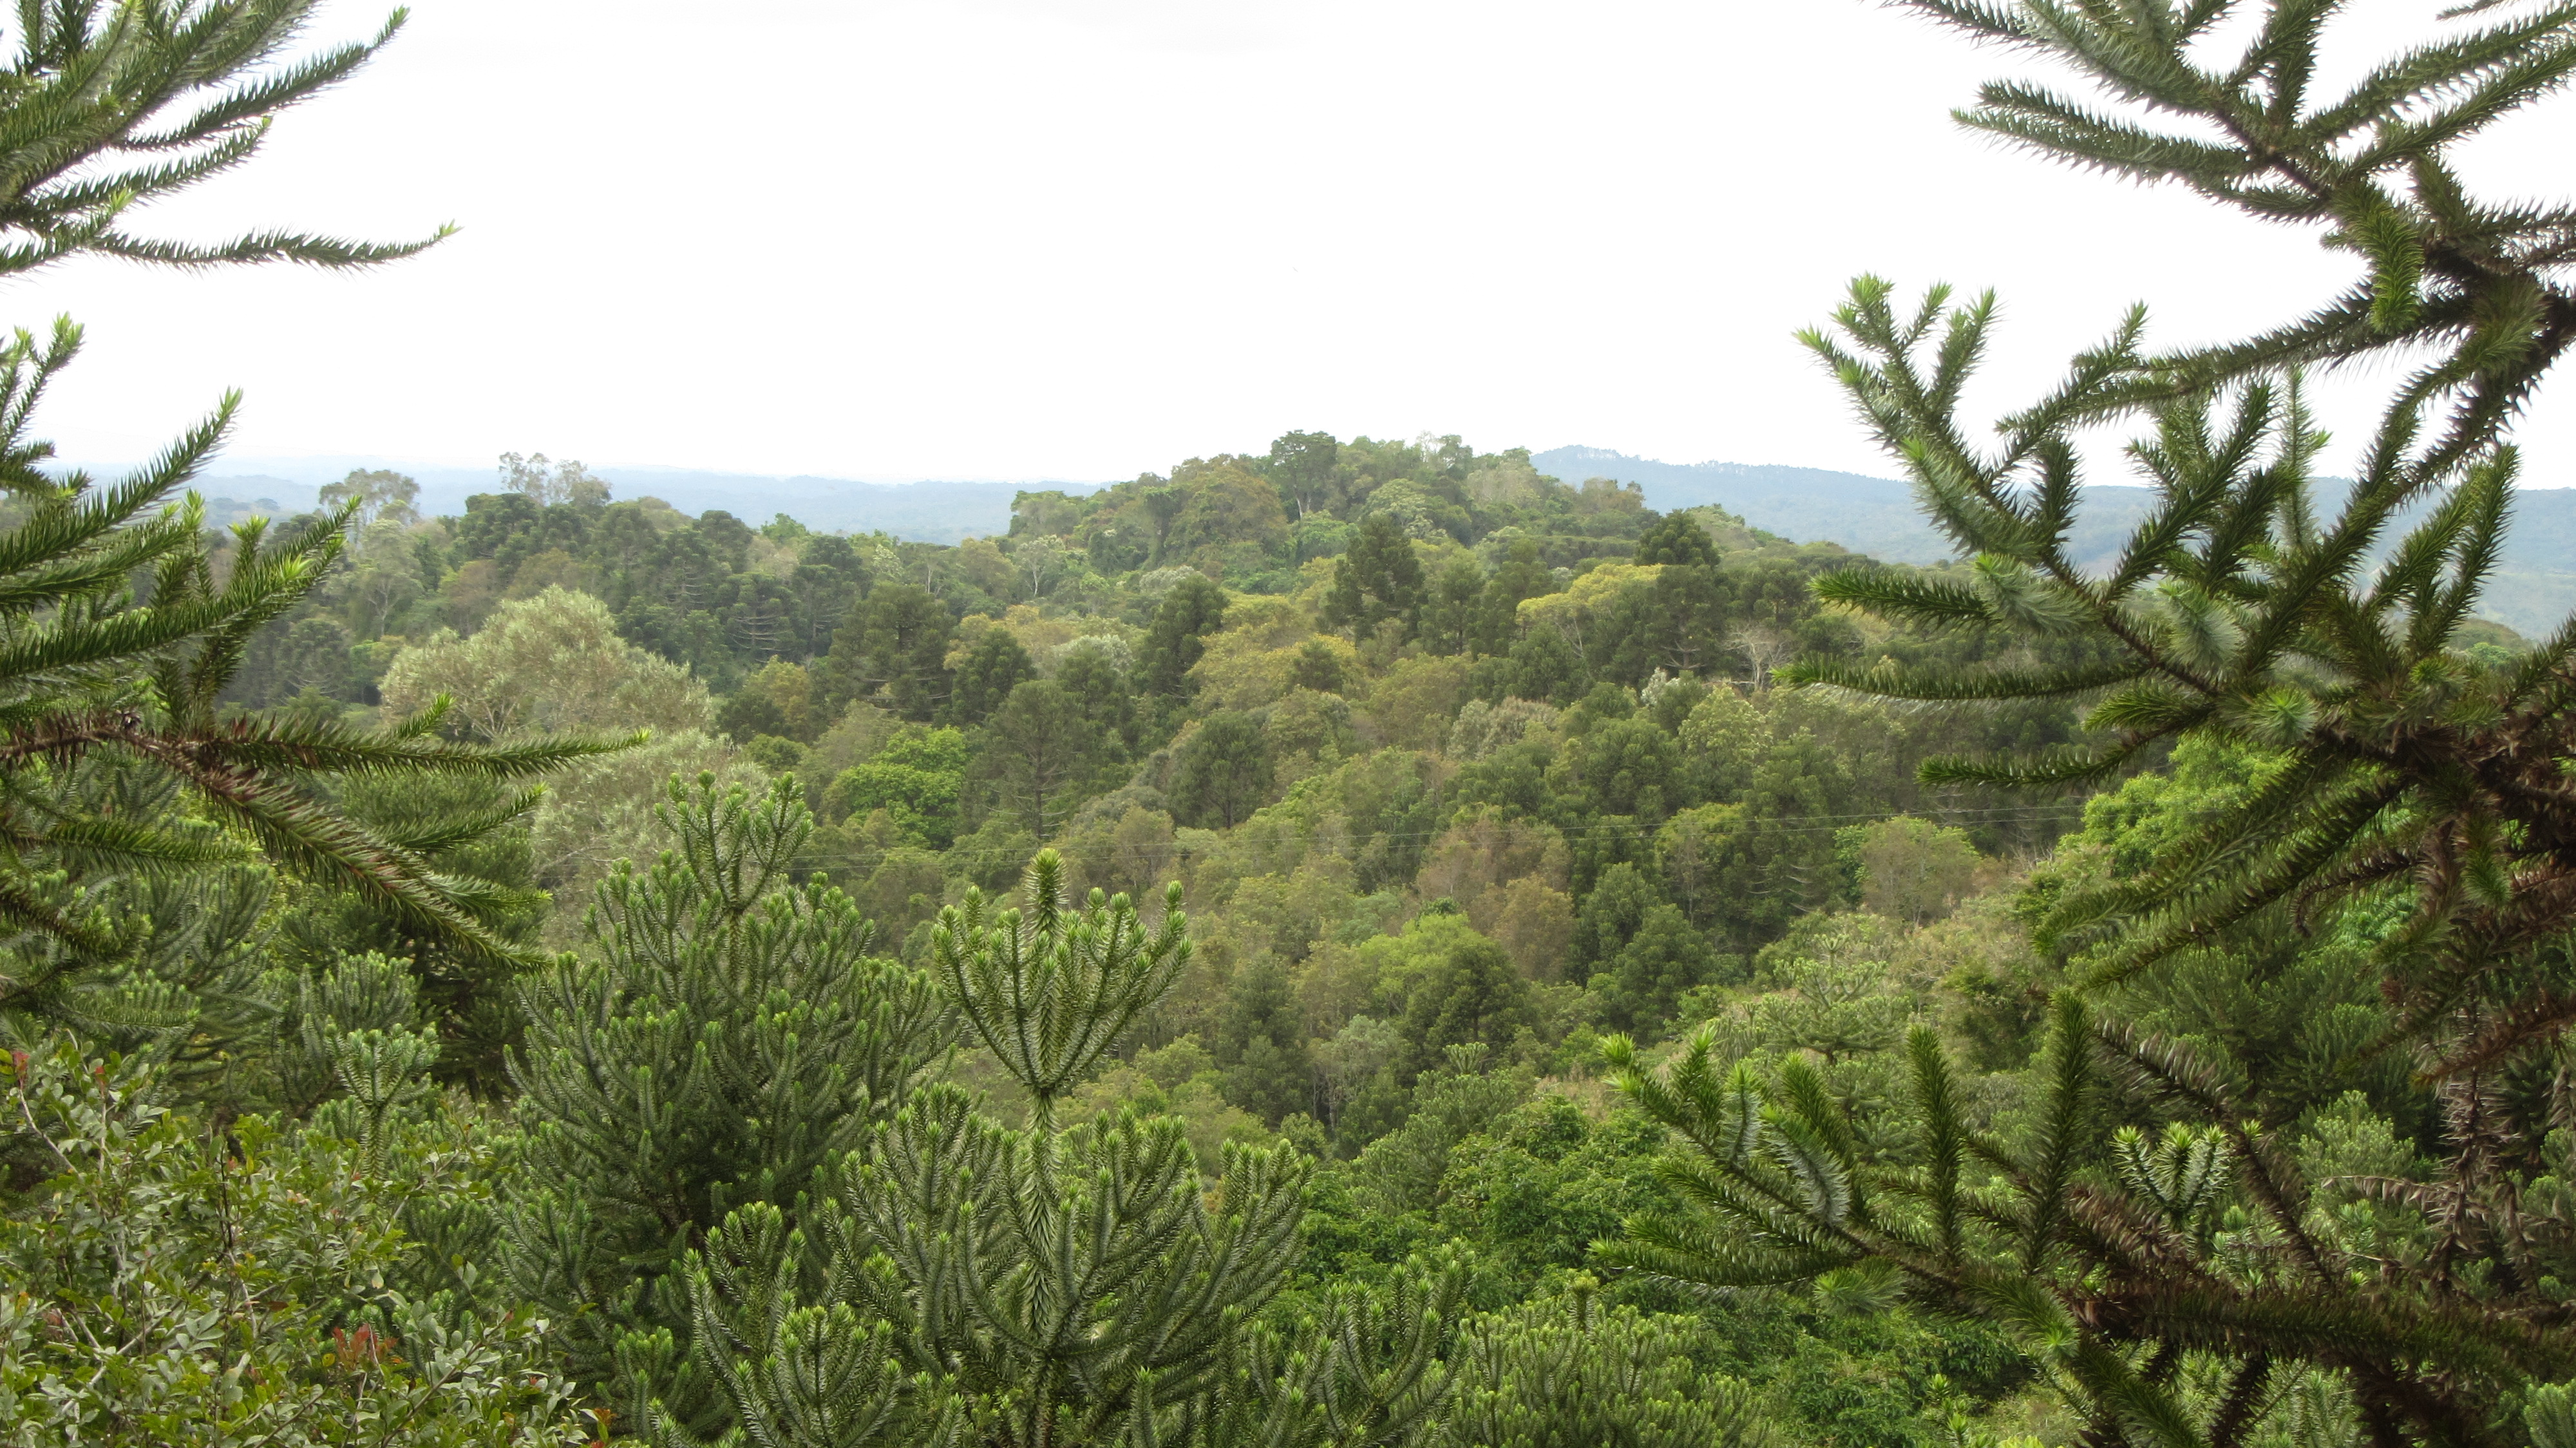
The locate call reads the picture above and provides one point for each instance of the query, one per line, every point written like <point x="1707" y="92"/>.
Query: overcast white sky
<point x="1082" y="239"/>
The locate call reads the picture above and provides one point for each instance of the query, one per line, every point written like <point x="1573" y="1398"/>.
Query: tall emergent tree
<point x="2146" y="1230"/>
<point x="104" y="107"/>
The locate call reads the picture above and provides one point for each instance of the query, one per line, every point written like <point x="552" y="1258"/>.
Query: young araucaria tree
<point x="1054" y="1285"/>
<point x="2143" y="1227"/>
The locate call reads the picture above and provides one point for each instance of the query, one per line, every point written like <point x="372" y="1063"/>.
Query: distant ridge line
<point x="2533" y="590"/>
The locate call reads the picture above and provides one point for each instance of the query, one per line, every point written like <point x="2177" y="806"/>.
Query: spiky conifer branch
<point x="2104" y="1249"/>
<point x="110" y="106"/>
<point x="2319" y="635"/>
<point x="2327" y="637"/>
<point x="1050" y="989"/>
<point x="2481" y="283"/>
<point x="104" y="107"/>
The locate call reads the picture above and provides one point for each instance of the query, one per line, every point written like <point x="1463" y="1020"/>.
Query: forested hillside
<point x="1378" y="641"/>
<point x="1335" y="688"/>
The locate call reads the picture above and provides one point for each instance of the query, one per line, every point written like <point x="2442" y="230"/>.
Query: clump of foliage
<point x="176" y="1281"/>
<point x="1565" y="1373"/>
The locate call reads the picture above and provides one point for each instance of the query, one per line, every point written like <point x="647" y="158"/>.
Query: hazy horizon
<point x="1019" y="240"/>
<point x="315" y="469"/>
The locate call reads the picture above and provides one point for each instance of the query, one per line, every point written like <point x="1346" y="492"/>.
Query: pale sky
<point x="892" y="239"/>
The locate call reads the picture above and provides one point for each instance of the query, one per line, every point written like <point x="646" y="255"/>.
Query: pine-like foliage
<point x="110" y="105"/>
<point x="2147" y="1236"/>
<point x="1571" y="1373"/>
<point x="725" y="1035"/>
<point x="1050" y="1286"/>
<point x="187" y="986"/>
<point x="1367" y="1369"/>
<point x="103" y="106"/>
<point x="90" y="679"/>
<point x="2176" y="1285"/>
<point x="2251" y="604"/>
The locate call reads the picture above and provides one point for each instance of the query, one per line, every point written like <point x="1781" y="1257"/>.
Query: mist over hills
<point x="2534" y="588"/>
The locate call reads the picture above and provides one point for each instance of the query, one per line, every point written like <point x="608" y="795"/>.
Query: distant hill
<point x="2533" y="591"/>
<point x="1867" y="515"/>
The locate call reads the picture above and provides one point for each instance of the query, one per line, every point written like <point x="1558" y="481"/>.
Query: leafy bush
<point x="172" y="1281"/>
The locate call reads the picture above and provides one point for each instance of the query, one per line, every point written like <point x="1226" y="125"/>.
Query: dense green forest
<point x="1347" y="943"/>
<point x="1433" y="732"/>
<point x="1459" y="773"/>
